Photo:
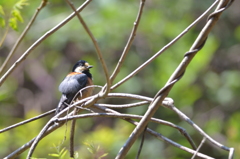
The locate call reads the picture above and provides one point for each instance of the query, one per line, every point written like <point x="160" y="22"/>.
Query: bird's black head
<point x="82" y="67"/>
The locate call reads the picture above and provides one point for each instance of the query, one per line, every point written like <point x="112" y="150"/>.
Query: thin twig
<point x="128" y="116"/>
<point x="202" y="142"/>
<point x="47" y="126"/>
<point x="59" y="122"/>
<point x="201" y="39"/>
<point x="39" y="137"/>
<point x="197" y="45"/>
<point x="118" y="115"/>
<point x="72" y="134"/>
<point x="124" y="95"/>
<point x="121" y="106"/>
<point x="159" y="121"/>
<point x="231" y="153"/>
<point x="161" y="137"/>
<point x="42" y="5"/>
<point x="164" y="48"/>
<point x="52" y="122"/>
<point x="130" y="40"/>
<point x="26" y="146"/>
<point x="27" y="121"/>
<point x="4" y="36"/>
<point x="141" y="144"/>
<point x="129" y="96"/>
<point x="104" y="93"/>
<point x="39" y="41"/>
<point x="74" y="112"/>
<point x="195" y="126"/>
<point x="166" y="101"/>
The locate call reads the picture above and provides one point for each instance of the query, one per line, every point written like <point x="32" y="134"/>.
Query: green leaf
<point x="21" y="3"/>
<point x="87" y="144"/>
<point x="103" y="155"/>
<point x="62" y="151"/>
<point x="2" y="22"/>
<point x="17" y="14"/>
<point x="98" y="148"/>
<point x="53" y="155"/>
<point x="13" y="23"/>
<point x="1" y="10"/>
<point x="90" y="150"/>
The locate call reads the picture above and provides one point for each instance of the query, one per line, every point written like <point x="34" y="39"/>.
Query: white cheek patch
<point x="79" y="69"/>
<point x="87" y="64"/>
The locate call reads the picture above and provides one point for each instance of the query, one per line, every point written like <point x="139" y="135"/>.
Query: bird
<point x="79" y="78"/>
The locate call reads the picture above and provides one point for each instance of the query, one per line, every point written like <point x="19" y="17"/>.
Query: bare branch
<point x="168" y="103"/>
<point x="4" y="36"/>
<point x="181" y="130"/>
<point x="164" y="48"/>
<point x="197" y="45"/>
<point x="39" y="137"/>
<point x="59" y="122"/>
<point x="104" y="93"/>
<point x="231" y="153"/>
<point x="201" y="39"/>
<point x="26" y="146"/>
<point x="189" y="121"/>
<point x="72" y="133"/>
<point x="39" y="41"/>
<point x="27" y="121"/>
<point x="42" y="5"/>
<point x="124" y="105"/>
<point x="130" y="40"/>
<point x="202" y="142"/>
<point x="127" y="116"/>
<point x="161" y="137"/>
<point x="141" y="144"/>
<point x="104" y="110"/>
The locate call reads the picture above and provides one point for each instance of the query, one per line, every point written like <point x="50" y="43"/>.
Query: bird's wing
<point x="69" y="87"/>
<point x="73" y="83"/>
<point x="62" y="105"/>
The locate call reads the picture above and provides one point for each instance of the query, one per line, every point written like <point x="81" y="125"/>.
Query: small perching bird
<point x="74" y="84"/>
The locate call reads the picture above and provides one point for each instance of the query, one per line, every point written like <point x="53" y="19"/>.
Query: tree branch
<point x="42" y="5"/>
<point x="104" y="93"/>
<point x="197" y="45"/>
<point x="27" y="121"/>
<point x="130" y="40"/>
<point x="165" y="47"/>
<point x="39" y="41"/>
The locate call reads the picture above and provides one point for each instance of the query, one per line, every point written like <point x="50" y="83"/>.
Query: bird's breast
<point x="86" y="92"/>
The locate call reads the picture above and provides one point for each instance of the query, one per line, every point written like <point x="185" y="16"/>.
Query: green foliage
<point x="1" y="10"/>
<point x="2" y="20"/>
<point x="213" y="127"/>
<point x="16" y="14"/>
<point x="237" y="33"/>
<point x="60" y="152"/>
<point x="13" y="23"/>
<point x="94" y="150"/>
<point x="12" y="19"/>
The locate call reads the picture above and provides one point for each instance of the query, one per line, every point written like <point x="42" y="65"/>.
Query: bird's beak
<point x="90" y="66"/>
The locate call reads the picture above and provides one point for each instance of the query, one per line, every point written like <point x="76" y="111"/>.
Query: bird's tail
<point x="62" y="104"/>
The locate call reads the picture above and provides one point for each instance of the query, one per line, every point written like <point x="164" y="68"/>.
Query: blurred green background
<point x="208" y="93"/>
